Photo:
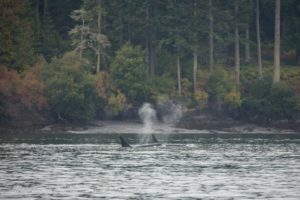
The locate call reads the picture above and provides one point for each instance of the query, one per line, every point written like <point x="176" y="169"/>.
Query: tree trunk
<point x="152" y="59"/>
<point x="81" y="40"/>
<point x="99" y="17"/>
<point x="258" y="41"/>
<point x="99" y="33"/>
<point x="247" y="47"/>
<point x="178" y="76"/>
<point x="276" y="71"/>
<point x="45" y="7"/>
<point x="37" y="12"/>
<point x="121" y="29"/>
<point x="151" y="47"/>
<point x="298" y="57"/>
<point x="211" y="38"/>
<point x="237" y="46"/>
<point x="98" y="60"/>
<point x="147" y="57"/>
<point x="195" y="71"/>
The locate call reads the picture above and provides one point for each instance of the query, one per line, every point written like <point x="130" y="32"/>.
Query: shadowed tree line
<point x="74" y="60"/>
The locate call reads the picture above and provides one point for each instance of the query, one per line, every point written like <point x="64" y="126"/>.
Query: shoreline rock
<point x="214" y="120"/>
<point x="213" y="126"/>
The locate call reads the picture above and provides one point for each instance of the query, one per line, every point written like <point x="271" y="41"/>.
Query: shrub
<point x="116" y="104"/>
<point x="104" y="89"/>
<point x="71" y="91"/>
<point x="201" y="97"/>
<point x="160" y="86"/>
<point x="267" y="100"/>
<point x="186" y="88"/>
<point x="129" y="73"/>
<point x="221" y="87"/>
<point x="233" y="99"/>
<point x="35" y="97"/>
<point x="21" y="98"/>
<point x="109" y="99"/>
<point x="281" y="99"/>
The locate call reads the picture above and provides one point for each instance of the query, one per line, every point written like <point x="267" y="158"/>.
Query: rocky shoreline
<point x="215" y="120"/>
<point x="195" y="126"/>
<point x="231" y="124"/>
<point x="195" y="120"/>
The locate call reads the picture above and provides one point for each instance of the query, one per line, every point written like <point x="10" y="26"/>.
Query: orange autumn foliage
<point x="10" y="83"/>
<point x="21" y="95"/>
<point x="109" y="99"/>
<point x="34" y="88"/>
<point x="104" y="87"/>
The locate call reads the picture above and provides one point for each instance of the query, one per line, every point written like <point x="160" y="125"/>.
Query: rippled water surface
<point x="203" y="166"/>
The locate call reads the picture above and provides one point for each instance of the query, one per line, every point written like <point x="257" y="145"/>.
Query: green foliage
<point x="201" y="97"/>
<point x="165" y="30"/>
<point x="70" y="90"/>
<point x="104" y="90"/>
<point x="129" y="73"/>
<point x="281" y="99"/>
<point x="202" y="77"/>
<point x="289" y="75"/>
<point x="49" y="39"/>
<point x="218" y="85"/>
<point x="291" y="41"/>
<point x="221" y="87"/>
<point x="51" y="23"/>
<point x="116" y="103"/>
<point x="269" y="100"/>
<point x="296" y="100"/>
<point x="233" y="99"/>
<point x="249" y="72"/>
<point x="186" y="88"/>
<point x="160" y="86"/>
<point x="109" y="99"/>
<point x="16" y="36"/>
<point x="167" y="63"/>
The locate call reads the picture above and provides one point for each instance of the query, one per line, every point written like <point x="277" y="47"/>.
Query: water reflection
<point x="68" y="166"/>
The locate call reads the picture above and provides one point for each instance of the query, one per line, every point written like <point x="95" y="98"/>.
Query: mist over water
<point x="148" y="116"/>
<point x="170" y="114"/>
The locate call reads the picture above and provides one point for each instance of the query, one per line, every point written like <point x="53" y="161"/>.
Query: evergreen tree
<point x="237" y="45"/>
<point x="79" y="32"/>
<point x="16" y="36"/>
<point x="291" y="28"/>
<point x="276" y="71"/>
<point x="71" y="90"/>
<point x="49" y="36"/>
<point x="246" y="16"/>
<point x="97" y="41"/>
<point x="223" y="30"/>
<point x="129" y="73"/>
<point x="177" y="21"/>
<point x="258" y="41"/>
<point x="211" y="36"/>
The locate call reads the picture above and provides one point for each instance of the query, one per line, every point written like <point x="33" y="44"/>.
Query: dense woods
<point x="75" y="60"/>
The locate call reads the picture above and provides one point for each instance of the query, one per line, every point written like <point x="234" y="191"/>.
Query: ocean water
<point x="198" y="166"/>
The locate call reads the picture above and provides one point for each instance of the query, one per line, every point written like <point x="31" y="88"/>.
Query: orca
<point x="124" y="142"/>
<point x="154" y="143"/>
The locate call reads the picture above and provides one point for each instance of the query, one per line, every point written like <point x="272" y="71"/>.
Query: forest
<point x="77" y="60"/>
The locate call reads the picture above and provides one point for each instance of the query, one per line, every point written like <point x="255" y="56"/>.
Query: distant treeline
<point x="73" y="60"/>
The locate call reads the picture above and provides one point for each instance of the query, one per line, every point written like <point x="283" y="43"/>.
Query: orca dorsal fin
<point x="154" y="139"/>
<point x="124" y="142"/>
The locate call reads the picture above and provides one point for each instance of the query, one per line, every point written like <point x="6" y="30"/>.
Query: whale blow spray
<point x="148" y="115"/>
